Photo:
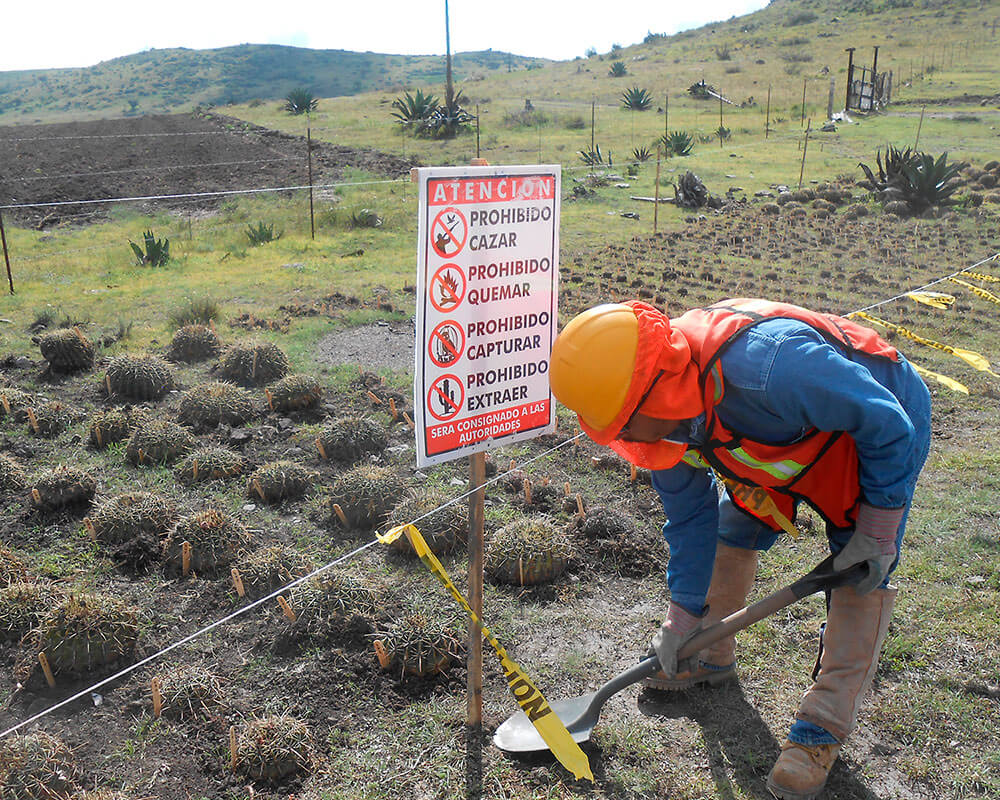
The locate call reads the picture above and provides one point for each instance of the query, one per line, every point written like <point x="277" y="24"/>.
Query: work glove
<point x="874" y="542"/>
<point x="677" y="628"/>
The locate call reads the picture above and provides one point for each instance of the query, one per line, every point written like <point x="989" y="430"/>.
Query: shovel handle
<point x="822" y="577"/>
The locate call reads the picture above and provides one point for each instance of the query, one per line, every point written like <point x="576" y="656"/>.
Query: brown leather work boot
<point x="801" y="770"/>
<point x="732" y="578"/>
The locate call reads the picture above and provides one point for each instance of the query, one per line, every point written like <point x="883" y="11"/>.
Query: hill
<point x="180" y="78"/>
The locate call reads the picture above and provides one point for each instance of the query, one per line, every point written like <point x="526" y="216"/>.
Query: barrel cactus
<point x="348" y="440"/>
<point x="14" y="404"/>
<point x="333" y="605"/>
<point x="114" y="425"/>
<point x="214" y="539"/>
<point x="443" y="530"/>
<point x="188" y="691"/>
<point x="22" y="605"/>
<point x="62" y="487"/>
<point x="268" y="568"/>
<point x="36" y="766"/>
<point x="365" y="495"/>
<point x="67" y="350"/>
<point x="254" y="364"/>
<point x="418" y="646"/>
<point x="158" y="442"/>
<point x="527" y="550"/>
<point x="12" y="568"/>
<point x="278" y="481"/>
<point x="49" y="420"/>
<point x="271" y="748"/>
<point x="210" y="463"/>
<point x="194" y="343"/>
<point x="82" y="633"/>
<point x="142" y="377"/>
<point x="212" y="404"/>
<point x="11" y="475"/>
<point x="129" y="516"/>
<point x="293" y="393"/>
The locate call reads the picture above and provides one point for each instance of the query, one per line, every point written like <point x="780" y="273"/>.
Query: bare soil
<point x="161" y="154"/>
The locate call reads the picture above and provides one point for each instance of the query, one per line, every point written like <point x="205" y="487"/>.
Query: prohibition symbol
<point x="441" y="399"/>
<point x="447" y="343"/>
<point x="449" y="232"/>
<point x="447" y="288"/>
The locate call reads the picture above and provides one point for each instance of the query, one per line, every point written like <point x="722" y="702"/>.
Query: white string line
<point x="271" y="596"/>
<point x="189" y="195"/>
<point x="926" y="285"/>
<point x="157" y="169"/>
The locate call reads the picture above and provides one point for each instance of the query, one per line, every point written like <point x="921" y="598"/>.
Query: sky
<point x="70" y="33"/>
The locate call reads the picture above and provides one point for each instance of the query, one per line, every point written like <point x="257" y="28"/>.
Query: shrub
<point x="349" y="439"/>
<point x="154" y="252"/>
<point x="214" y="538"/>
<point x="254" y="364"/>
<point x="527" y="551"/>
<point x="333" y="605"/>
<point x="418" y="646"/>
<point x="366" y="218"/>
<point x="195" y="311"/>
<point x="49" y="420"/>
<point x="723" y="53"/>
<point x="677" y="143"/>
<point x="272" y="748"/>
<point x="211" y="463"/>
<point x="15" y="404"/>
<point x="188" y="691"/>
<point x="443" y="530"/>
<point x="11" y="476"/>
<point x="641" y="154"/>
<point x="365" y="495"/>
<point x="618" y="69"/>
<point x="114" y="425"/>
<point x="411" y="110"/>
<point x="916" y="179"/>
<point x="212" y="404"/>
<point x="593" y="158"/>
<point x="194" y="342"/>
<point x="800" y="18"/>
<point x="268" y="568"/>
<point x="262" y="234"/>
<point x="278" y="481"/>
<point x="131" y="516"/>
<point x="293" y="393"/>
<point x="22" y="605"/>
<point x="36" y="766"/>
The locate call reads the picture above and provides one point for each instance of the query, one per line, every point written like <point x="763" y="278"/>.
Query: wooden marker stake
<point x="566" y="488"/>
<point x="258" y="488"/>
<point x="185" y="557"/>
<point x="322" y="450"/>
<point x="634" y="473"/>
<point x="579" y="506"/>
<point x="33" y="420"/>
<point x="286" y="609"/>
<point x="47" y="670"/>
<point x="374" y="397"/>
<point x="393" y="410"/>
<point x="408" y="420"/>
<point x="381" y="654"/>
<point x="157" y="697"/>
<point x="341" y="515"/>
<point x="89" y="525"/>
<point x="36" y="496"/>
<point x="270" y="399"/>
<point x="237" y="582"/>
<point x="527" y="492"/>
<point x="232" y="748"/>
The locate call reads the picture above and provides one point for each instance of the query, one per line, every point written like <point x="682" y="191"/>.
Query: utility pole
<point x="449" y="89"/>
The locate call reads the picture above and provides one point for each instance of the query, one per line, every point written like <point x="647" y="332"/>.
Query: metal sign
<point x="487" y="289"/>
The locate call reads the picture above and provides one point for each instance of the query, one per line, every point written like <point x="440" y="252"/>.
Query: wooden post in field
<point x="6" y="255"/>
<point x="656" y="192"/>
<point x="802" y="116"/>
<point x="666" y="117"/>
<point x="829" y="99"/>
<point x="767" y="118"/>
<point x="474" y="664"/>
<point x="593" y="106"/>
<point x="919" y="126"/>
<point x="309" y="150"/>
<point x="805" y="146"/>
<point x="850" y="76"/>
<point x="477" y="130"/>
<point x="720" y="118"/>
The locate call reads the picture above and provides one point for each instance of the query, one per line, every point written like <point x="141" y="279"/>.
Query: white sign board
<point x="487" y="287"/>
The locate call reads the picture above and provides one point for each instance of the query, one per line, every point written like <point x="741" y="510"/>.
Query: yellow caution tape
<point x="933" y="299"/>
<point x="970" y="357"/>
<point x="757" y="499"/>
<point x="982" y="276"/>
<point x="528" y="697"/>
<point x="977" y="291"/>
<point x="942" y="379"/>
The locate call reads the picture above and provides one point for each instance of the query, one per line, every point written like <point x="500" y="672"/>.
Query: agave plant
<point x="262" y="234"/>
<point x="618" y="70"/>
<point x="366" y="218"/>
<point x="156" y="252"/>
<point x="916" y="179"/>
<point x="640" y="154"/>
<point x="299" y="101"/>
<point x="636" y="99"/>
<point x="723" y="133"/>
<point x="677" y="143"/>
<point x="593" y="158"/>
<point x="413" y="109"/>
<point x="888" y="171"/>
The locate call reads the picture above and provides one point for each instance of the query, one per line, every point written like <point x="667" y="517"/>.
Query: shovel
<point x="580" y="714"/>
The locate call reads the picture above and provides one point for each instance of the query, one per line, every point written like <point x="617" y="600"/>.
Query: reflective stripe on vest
<point x="782" y="470"/>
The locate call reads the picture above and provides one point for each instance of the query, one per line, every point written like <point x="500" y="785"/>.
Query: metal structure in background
<point x="867" y="89"/>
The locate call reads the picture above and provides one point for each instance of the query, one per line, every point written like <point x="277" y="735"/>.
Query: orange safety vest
<point x="820" y="467"/>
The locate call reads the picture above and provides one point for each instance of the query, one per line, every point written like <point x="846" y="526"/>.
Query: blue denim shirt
<point x="783" y="378"/>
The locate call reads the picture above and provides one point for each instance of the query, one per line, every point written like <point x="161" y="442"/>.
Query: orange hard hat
<point x="592" y="362"/>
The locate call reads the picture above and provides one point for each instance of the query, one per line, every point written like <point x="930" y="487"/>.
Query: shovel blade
<point x="518" y="735"/>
